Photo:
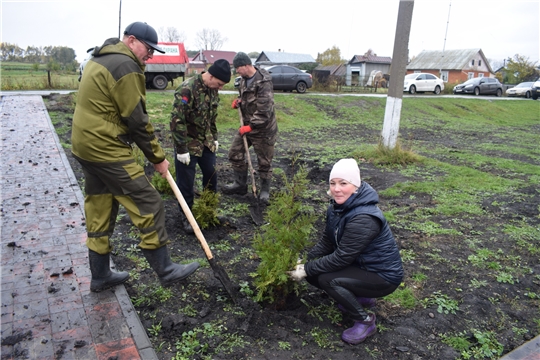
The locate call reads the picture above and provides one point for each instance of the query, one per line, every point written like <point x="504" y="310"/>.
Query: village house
<point x="204" y="58"/>
<point x="453" y="66"/>
<point x="360" y="68"/>
<point x="268" y="58"/>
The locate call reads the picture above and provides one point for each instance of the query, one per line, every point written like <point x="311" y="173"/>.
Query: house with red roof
<point x="205" y="58"/>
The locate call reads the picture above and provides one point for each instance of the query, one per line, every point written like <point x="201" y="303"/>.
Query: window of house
<point x="480" y="74"/>
<point x="444" y="75"/>
<point x="479" y="62"/>
<point x="470" y="75"/>
<point x="472" y="62"/>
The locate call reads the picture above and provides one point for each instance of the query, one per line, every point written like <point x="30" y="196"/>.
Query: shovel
<point x="255" y="212"/>
<point x="219" y="272"/>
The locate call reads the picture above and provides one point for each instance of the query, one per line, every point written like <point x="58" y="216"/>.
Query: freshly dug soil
<point x="199" y="321"/>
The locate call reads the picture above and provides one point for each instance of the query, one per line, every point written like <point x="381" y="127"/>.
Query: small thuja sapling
<point x="286" y="234"/>
<point x="205" y="209"/>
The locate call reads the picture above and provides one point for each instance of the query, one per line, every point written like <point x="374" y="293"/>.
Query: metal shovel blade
<point x="221" y="275"/>
<point x="256" y="214"/>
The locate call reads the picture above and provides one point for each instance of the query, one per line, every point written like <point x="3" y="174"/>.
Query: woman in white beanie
<point x="357" y="259"/>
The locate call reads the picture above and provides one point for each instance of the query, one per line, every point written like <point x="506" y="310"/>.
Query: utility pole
<point x="444" y="45"/>
<point x="120" y="20"/>
<point x="400" y="56"/>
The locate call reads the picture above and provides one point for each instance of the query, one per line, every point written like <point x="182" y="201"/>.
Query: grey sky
<point x="500" y="28"/>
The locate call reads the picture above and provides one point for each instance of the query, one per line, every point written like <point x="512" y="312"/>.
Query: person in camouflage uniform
<point x="256" y="103"/>
<point x="194" y="131"/>
<point x="109" y="117"/>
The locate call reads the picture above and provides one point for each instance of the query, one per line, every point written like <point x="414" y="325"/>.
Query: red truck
<point x="162" y="68"/>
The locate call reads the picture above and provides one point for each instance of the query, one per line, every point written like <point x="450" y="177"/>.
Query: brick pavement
<point x="48" y="311"/>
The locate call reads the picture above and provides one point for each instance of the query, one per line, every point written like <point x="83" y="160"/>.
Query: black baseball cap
<point x="144" y="32"/>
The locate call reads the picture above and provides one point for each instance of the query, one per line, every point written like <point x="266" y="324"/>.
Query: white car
<point x="422" y="82"/>
<point x="88" y="57"/>
<point x="523" y="89"/>
<point x="535" y="89"/>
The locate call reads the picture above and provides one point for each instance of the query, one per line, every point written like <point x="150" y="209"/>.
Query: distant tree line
<point x="56" y="57"/>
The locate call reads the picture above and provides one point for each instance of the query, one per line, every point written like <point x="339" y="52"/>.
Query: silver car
<point x="522" y="89"/>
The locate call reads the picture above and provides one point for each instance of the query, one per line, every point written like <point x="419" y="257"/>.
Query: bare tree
<point x="209" y="39"/>
<point x="171" y="34"/>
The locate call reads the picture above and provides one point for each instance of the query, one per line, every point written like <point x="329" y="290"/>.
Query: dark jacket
<point x="357" y="233"/>
<point x="111" y="108"/>
<point x="257" y="105"/>
<point x="193" y="119"/>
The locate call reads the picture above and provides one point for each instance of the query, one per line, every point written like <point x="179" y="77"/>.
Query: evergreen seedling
<point x="205" y="209"/>
<point x="282" y="240"/>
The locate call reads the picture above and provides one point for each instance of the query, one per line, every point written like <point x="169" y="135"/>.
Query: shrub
<point x="205" y="209"/>
<point x="285" y="235"/>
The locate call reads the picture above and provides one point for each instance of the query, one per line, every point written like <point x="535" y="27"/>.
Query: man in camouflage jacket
<point x="256" y="103"/>
<point x="110" y="116"/>
<point x="194" y="131"/>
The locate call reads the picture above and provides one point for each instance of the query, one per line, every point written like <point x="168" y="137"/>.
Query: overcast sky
<point x="500" y="28"/>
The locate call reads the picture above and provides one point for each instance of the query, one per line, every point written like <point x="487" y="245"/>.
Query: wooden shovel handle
<point x="189" y="215"/>
<point x="251" y="171"/>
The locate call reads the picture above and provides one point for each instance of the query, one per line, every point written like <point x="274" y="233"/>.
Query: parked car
<point x="422" y="82"/>
<point x="90" y="53"/>
<point x="286" y="78"/>
<point x="480" y="86"/>
<point x="522" y="89"/>
<point x="535" y="89"/>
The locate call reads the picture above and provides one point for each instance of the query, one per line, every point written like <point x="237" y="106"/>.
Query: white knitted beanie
<point x="346" y="169"/>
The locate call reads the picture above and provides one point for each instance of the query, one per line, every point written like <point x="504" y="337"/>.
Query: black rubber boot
<point x="265" y="191"/>
<point x="102" y="275"/>
<point x="167" y="271"/>
<point x="239" y="185"/>
<point x="186" y="226"/>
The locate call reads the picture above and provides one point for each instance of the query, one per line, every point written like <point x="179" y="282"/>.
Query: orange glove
<point x="244" y="129"/>
<point x="236" y="103"/>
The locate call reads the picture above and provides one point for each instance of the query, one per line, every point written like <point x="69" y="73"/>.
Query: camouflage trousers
<point x="264" y="149"/>
<point x="109" y="185"/>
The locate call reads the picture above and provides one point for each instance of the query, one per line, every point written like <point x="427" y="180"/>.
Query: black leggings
<point x="344" y="286"/>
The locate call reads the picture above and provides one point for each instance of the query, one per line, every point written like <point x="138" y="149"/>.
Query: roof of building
<point x="337" y="70"/>
<point x="449" y="59"/>
<point x="279" y="57"/>
<point x="371" y="59"/>
<point x="210" y="56"/>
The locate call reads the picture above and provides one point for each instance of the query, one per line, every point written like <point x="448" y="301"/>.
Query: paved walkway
<point x="48" y="311"/>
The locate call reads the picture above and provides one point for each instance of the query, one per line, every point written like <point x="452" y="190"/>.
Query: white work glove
<point x="183" y="158"/>
<point x="216" y="144"/>
<point x="298" y="273"/>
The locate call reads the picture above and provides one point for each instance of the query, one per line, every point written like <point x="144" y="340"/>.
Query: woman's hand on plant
<point x="298" y="273"/>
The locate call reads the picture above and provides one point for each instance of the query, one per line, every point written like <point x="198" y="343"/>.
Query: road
<point x="47" y="92"/>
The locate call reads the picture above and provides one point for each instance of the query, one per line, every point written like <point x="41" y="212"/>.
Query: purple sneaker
<point x="367" y="303"/>
<point x="360" y="331"/>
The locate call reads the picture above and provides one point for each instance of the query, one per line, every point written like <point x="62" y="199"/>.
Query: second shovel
<point x="254" y="210"/>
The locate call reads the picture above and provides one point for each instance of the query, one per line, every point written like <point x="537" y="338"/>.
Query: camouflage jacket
<point x="193" y="119"/>
<point x="258" y="104"/>
<point x="110" y="114"/>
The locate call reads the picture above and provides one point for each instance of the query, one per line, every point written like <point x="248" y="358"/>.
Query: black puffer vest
<point x="381" y="256"/>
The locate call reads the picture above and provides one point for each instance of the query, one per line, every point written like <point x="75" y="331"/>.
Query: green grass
<point x="23" y="76"/>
